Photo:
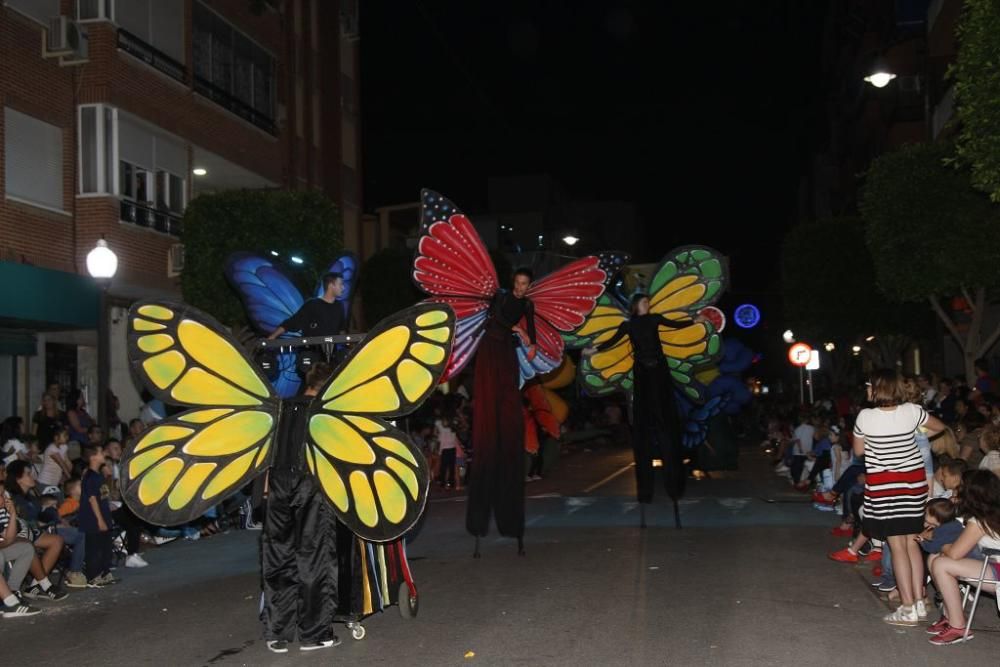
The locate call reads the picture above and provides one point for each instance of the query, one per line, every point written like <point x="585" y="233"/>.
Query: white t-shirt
<point x="804" y="433"/>
<point x="991" y="461"/>
<point x="11" y="449"/>
<point x="51" y="473"/>
<point x="447" y="439"/>
<point x="988" y="540"/>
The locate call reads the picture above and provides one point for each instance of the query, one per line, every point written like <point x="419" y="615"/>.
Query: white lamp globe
<point x="102" y="262"/>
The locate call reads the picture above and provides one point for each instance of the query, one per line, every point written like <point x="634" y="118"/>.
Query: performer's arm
<point x="611" y="342"/>
<point x="277" y="332"/>
<point x="673" y="324"/>
<point x="529" y="317"/>
<point x="293" y="323"/>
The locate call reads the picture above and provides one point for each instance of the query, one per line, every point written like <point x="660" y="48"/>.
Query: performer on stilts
<point x="518" y="335"/>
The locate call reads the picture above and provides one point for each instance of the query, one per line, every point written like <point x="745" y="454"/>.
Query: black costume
<point x="316" y="317"/>
<point x="299" y="541"/>
<point x="656" y="422"/>
<point x="496" y="482"/>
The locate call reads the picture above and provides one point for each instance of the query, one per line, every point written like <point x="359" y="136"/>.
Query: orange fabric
<point x="69" y="506"/>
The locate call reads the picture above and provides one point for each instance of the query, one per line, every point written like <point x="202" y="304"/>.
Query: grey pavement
<point x="745" y="582"/>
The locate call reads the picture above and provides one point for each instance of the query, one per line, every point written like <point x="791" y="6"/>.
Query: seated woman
<point x="979" y="504"/>
<point x="35" y="524"/>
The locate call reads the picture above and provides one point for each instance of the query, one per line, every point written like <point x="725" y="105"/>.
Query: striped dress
<point x="896" y="486"/>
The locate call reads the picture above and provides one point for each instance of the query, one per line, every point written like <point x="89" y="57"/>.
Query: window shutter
<point x="33" y="159"/>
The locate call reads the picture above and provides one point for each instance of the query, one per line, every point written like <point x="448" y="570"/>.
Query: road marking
<point x="576" y="504"/>
<point x="608" y="478"/>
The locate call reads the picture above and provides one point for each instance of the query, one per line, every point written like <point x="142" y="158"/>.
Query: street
<point x="746" y="582"/>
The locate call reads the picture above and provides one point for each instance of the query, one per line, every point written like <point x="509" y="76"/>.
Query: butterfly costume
<point x="336" y="455"/>
<point x="453" y="267"/>
<point x="653" y="356"/>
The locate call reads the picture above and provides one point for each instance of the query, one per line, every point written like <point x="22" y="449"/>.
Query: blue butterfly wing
<point x="268" y="294"/>
<point x="540" y="365"/>
<point x="696" y="426"/>
<point x="347" y="266"/>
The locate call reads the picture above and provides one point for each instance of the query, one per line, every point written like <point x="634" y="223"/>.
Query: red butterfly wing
<point x="563" y="299"/>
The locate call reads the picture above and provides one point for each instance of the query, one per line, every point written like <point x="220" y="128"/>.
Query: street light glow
<point x="830" y="347"/>
<point x="880" y="79"/>
<point x="570" y="240"/>
<point x="788" y="336"/>
<point x="274" y="252"/>
<point x="199" y="171"/>
<point x="297" y="260"/>
<point x="102" y="262"/>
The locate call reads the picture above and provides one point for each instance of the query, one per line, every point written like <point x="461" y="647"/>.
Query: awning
<point x="35" y="299"/>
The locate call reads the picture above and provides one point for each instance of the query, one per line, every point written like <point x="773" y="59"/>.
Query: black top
<point x="291" y="434"/>
<point x="47" y="427"/>
<point x="508" y="310"/>
<point x="643" y="330"/>
<point x="316" y="317"/>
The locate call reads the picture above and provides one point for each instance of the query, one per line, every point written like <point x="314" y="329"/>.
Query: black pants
<point x="299" y="552"/>
<point x="446" y="473"/>
<point x="798" y="465"/>
<point x="98" y="554"/>
<point x="130" y="522"/>
<point x="822" y="463"/>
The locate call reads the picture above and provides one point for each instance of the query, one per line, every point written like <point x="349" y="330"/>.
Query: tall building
<point x="115" y="115"/>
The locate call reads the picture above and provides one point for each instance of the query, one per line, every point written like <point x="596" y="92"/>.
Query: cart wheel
<point x="408" y="604"/>
<point x="357" y="631"/>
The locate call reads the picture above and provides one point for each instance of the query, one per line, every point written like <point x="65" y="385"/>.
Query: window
<point x="40" y="10"/>
<point x="95" y="10"/>
<point x="96" y="148"/>
<point x="232" y="69"/>
<point x="158" y="23"/>
<point x="33" y="155"/>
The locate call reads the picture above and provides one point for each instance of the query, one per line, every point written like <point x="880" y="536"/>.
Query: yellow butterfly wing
<point x="179" y="467"/>
<point x="375" y="478"/>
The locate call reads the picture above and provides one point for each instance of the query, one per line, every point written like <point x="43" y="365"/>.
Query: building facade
<point x="115" y="115"/>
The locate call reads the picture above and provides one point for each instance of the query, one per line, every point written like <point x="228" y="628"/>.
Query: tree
<point x="386" y="284"/>
<point x="977" y="92"/>
<point x="291" y="223"/>
<point x="829" y="291"/>
<point x="932" y="236"/>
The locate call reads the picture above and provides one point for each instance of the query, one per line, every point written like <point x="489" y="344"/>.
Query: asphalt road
<point x="745" y="582"/>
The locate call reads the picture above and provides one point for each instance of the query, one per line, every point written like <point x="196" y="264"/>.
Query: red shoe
<point x="873" y="555"/>
<point x="877" y="572"/>
<point x="939" y="627"/>
<point x="821" y="499"/>
<point x="950" y="635"/>
<point x="845" y="556"/>
<point x="842" y="532"/>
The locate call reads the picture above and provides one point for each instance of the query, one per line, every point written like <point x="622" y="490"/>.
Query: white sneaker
<point x="781" y="469"/>
<point x="160" y="541"/>
<point x="135" y="560"/>
<point x="903" y="616"/>
<point x="921" y="610"/>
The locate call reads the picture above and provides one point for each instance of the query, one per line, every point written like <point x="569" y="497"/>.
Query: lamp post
<point x="880" y="74"/>
<point x="102" y="264"/>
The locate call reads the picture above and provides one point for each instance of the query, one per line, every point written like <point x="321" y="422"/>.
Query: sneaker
<point x="18" y="609"/>
<point x="277" y="646"/>
<point x="873" y="555"/>
<point x="315" y="646"/>
<point x="75" y="580"/>
<point x="51" y="595"/>
<point x="253" y="525"/>
<point x="96" y="582"/>
<point x="903" y="616"/>
<point x="886" y="587"/>
<point x="939" y="627"/>
<point x="950" y="635"/>
<point x="824" y="508"/>
<point x="160" y="541"/>
<point x="108" y="579"/>
<point x="842" y="532"/>
<point x="921" y="610"/>
<point x="781" y="469"/>
<point x="135" y="560"/>
<point x="845" y="556"/>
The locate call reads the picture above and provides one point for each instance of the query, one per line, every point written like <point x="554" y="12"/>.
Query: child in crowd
<point x="941" y="525"/>
<point x="94" y="519"/>
<point x="447" y="444"/>
<point x="71" y="504"/>
<point x="948" y="477"/>
<point x="989" y="445"/>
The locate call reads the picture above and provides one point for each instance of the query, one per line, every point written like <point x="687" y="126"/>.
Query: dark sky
<point x="700" y="112"/>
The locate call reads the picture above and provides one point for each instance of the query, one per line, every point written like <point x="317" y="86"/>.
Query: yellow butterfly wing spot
<point x="263" y="454"/>
<point x="340" y="440"/>
<point x="189" y="483"/>
<point x="413" y="379"/>
<point x="216" y="354"/>
<point x="427" y="353"/>
<point x="142" y="462"/>
<point x="395" y="446"/>
<point x="391" y="496"/>
<point x="140" y="324"/>
<point x="372" y="359"/>
<point x="229" y="475"/>
<point x="431" y="318"/>
<point x="332" y="483"/>
<point x="377" y="396"/>
<point x="157" y="481"/>
<point x="686" y="336"/>
<point x="159" y="434"/>
<point x="204" y="416"/>
<point x="201" y="387"/>
<point x="156" y="312"/>
<point x="438" y="335"/>
<point x="230" y="435"/>
<point x="153" y="343"/>
<point x="164" y="368"/>
<point x="678" y="352"/>
<point x="679" y="299"/>
<point x="406" y="474"/>
<point x="364" y="424"/>
<point x="364" y="499"/>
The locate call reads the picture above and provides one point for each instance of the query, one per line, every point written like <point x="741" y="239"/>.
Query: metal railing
<point x="237" y="106"/>
<point x="150" y="218"/>
<point x="150" y="55"/>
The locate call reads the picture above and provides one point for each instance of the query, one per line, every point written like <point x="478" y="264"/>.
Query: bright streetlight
<point x="788" y="336"/>
<point x="880" y="75"/>
<point x="570" y="240"/>
<point x="102" y="265"/>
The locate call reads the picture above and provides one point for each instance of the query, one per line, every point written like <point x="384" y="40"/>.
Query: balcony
<point x="153" y="57"/>
<point x="143" y="216"/>
<point x="240" y="108"/>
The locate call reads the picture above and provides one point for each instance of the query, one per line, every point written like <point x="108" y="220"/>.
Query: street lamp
<point x="102" y="264"/>
<point x="570" y="240"/>
<point x="788" y="336"/>
<point x="880" y="75"/>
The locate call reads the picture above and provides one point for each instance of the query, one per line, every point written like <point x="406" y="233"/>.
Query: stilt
<point x="677" y="515"/>
<point x="475" y="554"/>
<point x="642" y="515"/>
<point x="520" y="546"/>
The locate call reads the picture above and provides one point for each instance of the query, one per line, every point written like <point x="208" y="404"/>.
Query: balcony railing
<point x="150" y="218"/>
<point x="233" y="104"/>
<point x="150" y="55"/>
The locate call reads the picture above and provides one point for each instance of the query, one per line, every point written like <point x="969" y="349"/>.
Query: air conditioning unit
<point x="175" y="260"/>
<point x="65" y="40"/>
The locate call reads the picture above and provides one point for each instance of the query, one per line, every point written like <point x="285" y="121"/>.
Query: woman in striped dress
<point x="896" y="486"/>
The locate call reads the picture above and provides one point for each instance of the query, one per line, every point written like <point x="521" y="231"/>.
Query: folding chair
<point x="989" y="556"/>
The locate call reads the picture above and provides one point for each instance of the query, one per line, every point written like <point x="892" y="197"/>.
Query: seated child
<point x="941" y="525"/>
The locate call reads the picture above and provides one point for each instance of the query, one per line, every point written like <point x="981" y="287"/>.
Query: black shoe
<point x="315" y="646"/>
<point x="52" y="595"/>
<point x="277" y="646"/>
<point x="18" y="609"/>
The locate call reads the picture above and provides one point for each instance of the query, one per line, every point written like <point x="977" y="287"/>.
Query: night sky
<point x="703" y="113"/>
